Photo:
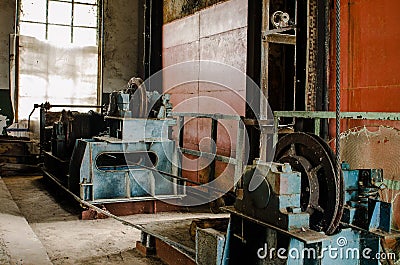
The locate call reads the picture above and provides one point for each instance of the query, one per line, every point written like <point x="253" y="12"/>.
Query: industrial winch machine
<point x="298" y="211"/>
<point x="117" y="157"/>
<point x="295" y="210"/>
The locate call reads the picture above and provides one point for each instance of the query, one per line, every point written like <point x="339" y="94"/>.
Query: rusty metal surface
<point x="175" y="9"/>
<point x="376" y="147"/>
<point x="311" y="83"/>
<point x="220" y="224"/>
<point x="223" y="17"/>
<point x="305" y="235"/>
<point x="177" y="231"/>
<point x="281" y="38"/>
<point x="311" y="156"/>
<point x="170" y="255"/>
<point x="187" y="27"/>
<point x="370" y="59"/>
<point x="228" y="47"/>
<point x="217" y="33"/>
<point x="146" y="207"/>
<point x="145" y="251"/>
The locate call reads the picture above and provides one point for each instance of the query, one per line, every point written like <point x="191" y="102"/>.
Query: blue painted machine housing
<point x="260" y="223"/>
<point x="363" y="208"/>
<point x="122" y="180"/>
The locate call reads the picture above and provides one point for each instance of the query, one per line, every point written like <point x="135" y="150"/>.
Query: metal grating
<point x="376" y="147"/>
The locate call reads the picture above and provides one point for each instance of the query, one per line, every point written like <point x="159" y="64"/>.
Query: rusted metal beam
<point x="281" y="38"/>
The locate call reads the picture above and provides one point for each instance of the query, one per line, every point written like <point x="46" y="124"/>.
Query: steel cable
<point x="338" y="105"/>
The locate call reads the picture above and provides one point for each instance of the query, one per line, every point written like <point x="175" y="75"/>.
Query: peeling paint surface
<point x="370" y="57"/>
<point x="176" y="9"/>
<point x="217" y="33"/>
<point x="7" y="11"/>
<point x="123" y="42"/>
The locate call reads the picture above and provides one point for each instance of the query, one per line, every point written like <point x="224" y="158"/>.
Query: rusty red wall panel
<point x="370" y="62"/>
<point x="217" y="33"/>
<point x="370" y="55"/>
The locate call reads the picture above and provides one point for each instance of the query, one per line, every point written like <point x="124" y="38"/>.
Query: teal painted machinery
<point x="126" y="161"/>
<point x="298" y="211"/>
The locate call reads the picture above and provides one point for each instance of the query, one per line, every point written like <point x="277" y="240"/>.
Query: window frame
<point x="72" y="26"/>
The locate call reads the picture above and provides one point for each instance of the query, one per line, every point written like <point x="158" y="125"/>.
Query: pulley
<point x="322" y="191"/>
<point x="280" y="19"/>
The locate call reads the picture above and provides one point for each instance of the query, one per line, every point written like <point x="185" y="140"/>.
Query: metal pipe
<point x="42" y="127"/>
<point x="16" y="78"/>
<point x="17" y="15"/>
<point x="75" y="106"/>
<point x="30" y="115"/>
<point x="35" y="106"/>
<point x="29" y="122"/>
<point x="325" y="86"/>
<point x="12" y="62"/>
<point x="17" y="130"/>
<point x="101" y="53"/>
<point x="150" y="37"/>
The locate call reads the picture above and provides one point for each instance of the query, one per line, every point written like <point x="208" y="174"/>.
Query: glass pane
<point x="85" y="37"/>
<point x="33" y="10"/>
<point x="33" y="30"/>
<point x="85" y="15"/>
<point x="59" y="34"/>
<point x="60" y="13"/>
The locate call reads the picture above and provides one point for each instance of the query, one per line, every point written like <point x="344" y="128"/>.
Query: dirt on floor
<point x="69" y="240"/>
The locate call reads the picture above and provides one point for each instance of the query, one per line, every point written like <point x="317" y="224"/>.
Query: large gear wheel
<point x="322" y="192"/>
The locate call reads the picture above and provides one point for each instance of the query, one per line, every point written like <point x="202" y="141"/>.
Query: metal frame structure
<point x="277" y="36"/>
<point x="71" y="25"/>
<point x="317" y="116"/>
<point x="237" y="161"/>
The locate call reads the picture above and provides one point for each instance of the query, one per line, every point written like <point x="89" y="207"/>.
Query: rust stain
<point x="176" y="9"/>
<point x="370" y="57"/>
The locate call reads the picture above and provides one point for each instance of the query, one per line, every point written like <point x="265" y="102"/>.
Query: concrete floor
<point x="39" y="226"/>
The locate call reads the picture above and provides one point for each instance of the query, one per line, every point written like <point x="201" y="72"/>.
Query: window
<point x="61" y="21"/>
<point x="58" y="54"/>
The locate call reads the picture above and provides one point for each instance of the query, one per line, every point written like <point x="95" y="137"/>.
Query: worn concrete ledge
<point x="18" y="242"/>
